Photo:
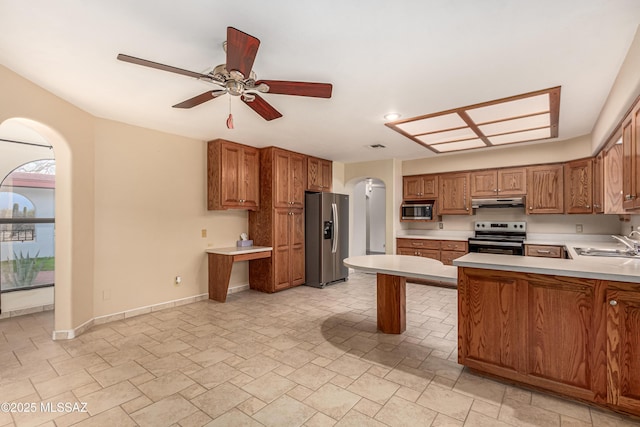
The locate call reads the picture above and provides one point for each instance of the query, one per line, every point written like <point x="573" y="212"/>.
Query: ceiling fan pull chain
<point x="230" y="118"/>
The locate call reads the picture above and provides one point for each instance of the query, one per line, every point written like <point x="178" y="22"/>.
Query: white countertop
<point x="588" y="267"/>
<point x="406" y="266"/>
<point x="236" y="250"/>
<point x="434" y="234"/>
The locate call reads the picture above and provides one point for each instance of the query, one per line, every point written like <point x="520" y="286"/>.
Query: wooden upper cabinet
<point x="545" y="189"/>
<point x="289" y="179"/>
<point x="499" y="182"/>
<point x="612" y="185"/>
<point x="578" y="186"/>
<point x="628" y="164"/>
<point x="233" y="174"/>
<point x="623" y="349"/>
<point x="453" y="194"/>
<point x="484" y="183"/>
<point x="319" y="174"/>
<point x="512" y="181"/>
<point x="598" y="183"/>
<point x="420" y="187"/>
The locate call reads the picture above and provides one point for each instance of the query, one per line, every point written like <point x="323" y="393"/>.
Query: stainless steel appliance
<point x="501" y="202"/>
<point x="505" y="238"/>
<point x="414" y="211"/>
<point x="326" y="238"/>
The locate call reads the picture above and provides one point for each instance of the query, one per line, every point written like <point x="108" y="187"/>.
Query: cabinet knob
<point x="530" y="208"/>
<point x="588" y="207"/>
<point x="613" y="302"/>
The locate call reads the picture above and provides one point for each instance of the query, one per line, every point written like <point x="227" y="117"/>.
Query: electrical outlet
<point x="204" y="232"/>
<point x="578" y="228"/>
<point x="440" y="225"/>
<point x="178" y="280"/>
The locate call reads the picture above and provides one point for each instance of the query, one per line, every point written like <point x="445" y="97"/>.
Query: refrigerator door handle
<point x="336" y="225"/>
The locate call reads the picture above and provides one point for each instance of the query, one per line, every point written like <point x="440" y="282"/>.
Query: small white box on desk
<point x="244" y="243"/>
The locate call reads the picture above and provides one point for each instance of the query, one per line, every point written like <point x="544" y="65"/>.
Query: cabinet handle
<point x="530" y="208"/>
<point x="613" y="302"/>
<point x="588" y="207"/>
<point x="540" y="251"/>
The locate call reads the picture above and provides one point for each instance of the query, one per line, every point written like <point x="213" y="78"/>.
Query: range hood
<point x="498" y="202"/>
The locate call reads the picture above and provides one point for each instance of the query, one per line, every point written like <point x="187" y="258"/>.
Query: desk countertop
<point x="235" y="250"/>
<point x="406" y="266"/>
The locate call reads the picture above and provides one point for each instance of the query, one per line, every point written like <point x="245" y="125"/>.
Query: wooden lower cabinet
<point x="444" y="251"/>
<point x="623" y="349"/>
<point x="572" y="336"/>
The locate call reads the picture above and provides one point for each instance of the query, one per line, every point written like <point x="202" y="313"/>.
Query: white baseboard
<point x="67" y="334"/>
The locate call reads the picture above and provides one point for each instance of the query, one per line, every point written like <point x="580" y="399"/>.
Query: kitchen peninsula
<point x="569" y="326"/>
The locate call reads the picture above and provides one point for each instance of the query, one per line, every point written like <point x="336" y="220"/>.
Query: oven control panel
<point x="509" y="226"/>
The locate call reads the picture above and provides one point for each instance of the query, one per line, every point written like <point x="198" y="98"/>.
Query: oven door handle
<point x="492" y="243"/>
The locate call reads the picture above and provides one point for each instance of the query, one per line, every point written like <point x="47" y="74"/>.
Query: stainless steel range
<point x="505" y="238"/>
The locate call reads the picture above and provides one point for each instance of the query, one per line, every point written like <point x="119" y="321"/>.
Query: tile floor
<point x="304" y="356"/>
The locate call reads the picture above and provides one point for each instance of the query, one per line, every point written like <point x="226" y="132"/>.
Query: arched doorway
<point x="21" y="130"/>
<point x="27" y="247"/>
<point x="369" y="217"/>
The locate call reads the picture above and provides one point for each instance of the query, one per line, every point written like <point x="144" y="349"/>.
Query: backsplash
<point x="552" y="224"/>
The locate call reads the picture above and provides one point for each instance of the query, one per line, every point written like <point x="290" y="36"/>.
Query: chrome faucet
<point x="631" y="244"/>
<point x="630" y="235"/>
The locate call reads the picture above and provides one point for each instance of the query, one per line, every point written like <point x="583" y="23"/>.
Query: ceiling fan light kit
<point x="241" y="49"/>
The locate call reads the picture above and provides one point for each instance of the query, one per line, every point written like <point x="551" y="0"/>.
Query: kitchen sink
<point x="624" y="253"/>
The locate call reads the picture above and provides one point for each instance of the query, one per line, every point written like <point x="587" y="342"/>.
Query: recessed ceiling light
<point x="392" y="116"/>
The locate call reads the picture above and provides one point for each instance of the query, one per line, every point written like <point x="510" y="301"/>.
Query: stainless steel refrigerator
<point x="326" y="238"/>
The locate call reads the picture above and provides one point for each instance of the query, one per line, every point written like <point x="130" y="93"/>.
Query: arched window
<point x="26" y="227"/>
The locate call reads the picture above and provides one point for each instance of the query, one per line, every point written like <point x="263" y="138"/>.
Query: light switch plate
<point x="578" y="228"/>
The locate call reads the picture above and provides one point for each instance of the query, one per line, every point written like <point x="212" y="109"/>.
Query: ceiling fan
<point x="237" y="78"/>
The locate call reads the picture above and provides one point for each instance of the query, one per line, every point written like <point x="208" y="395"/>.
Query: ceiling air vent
<point x="377" y="146"/>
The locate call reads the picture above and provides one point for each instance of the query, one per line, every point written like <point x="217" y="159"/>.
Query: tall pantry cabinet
<point x="279" y="222"/>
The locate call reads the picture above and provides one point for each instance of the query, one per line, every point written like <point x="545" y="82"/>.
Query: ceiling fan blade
<point x="151" y="64"/>
<point x="200" y="99"/>
<point x="262" y="107"/>
<point x="317" y="90"/>
<point x="241" y="51"/>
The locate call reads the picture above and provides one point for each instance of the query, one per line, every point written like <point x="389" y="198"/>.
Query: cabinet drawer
<point x="544" y="251"/>
<point x="447" y="257"/>
<point x="453" y="245"/>
<point x="418" y="244"/>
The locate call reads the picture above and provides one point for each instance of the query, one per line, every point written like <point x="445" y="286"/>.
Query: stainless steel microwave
<point x="417" y="211"/>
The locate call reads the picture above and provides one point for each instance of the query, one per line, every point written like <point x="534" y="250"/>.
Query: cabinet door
<point x="628" y="164"/>
<point x="326" y="168"/>
<point x="250" y="195"/>
<point x="296" y="245"/>
<point x="281" y="176"/>
<point x="490" y="331"/>
<point x="512" y="182"/>
<point x="598" y="183"/>
<point x="281" y="249"/>
<point x="484" y="183"/>
<point x="560" y="312"/>
<point x="429" y="187"/>
<point x="297" y="180"/>
<point x="231" y="179"/>
<point x="613" y="193"/>
<point x="545" y="189"/>
<point x="636" y="155"/>
<point x="314" y="174"/>
<point x="447" y="257"/>
<point x="453" y="194"/>
<point x="412" y="187"/>
<point x="623" y="349"/>
<point x="578" y="186"/>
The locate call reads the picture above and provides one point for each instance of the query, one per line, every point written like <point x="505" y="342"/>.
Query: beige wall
<point x="626" y="88"/>
<point x="150" y="196"/>
<point x="557" y="151"/>
<point x="130" y="207"/>
<point x="70" y="131"/>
